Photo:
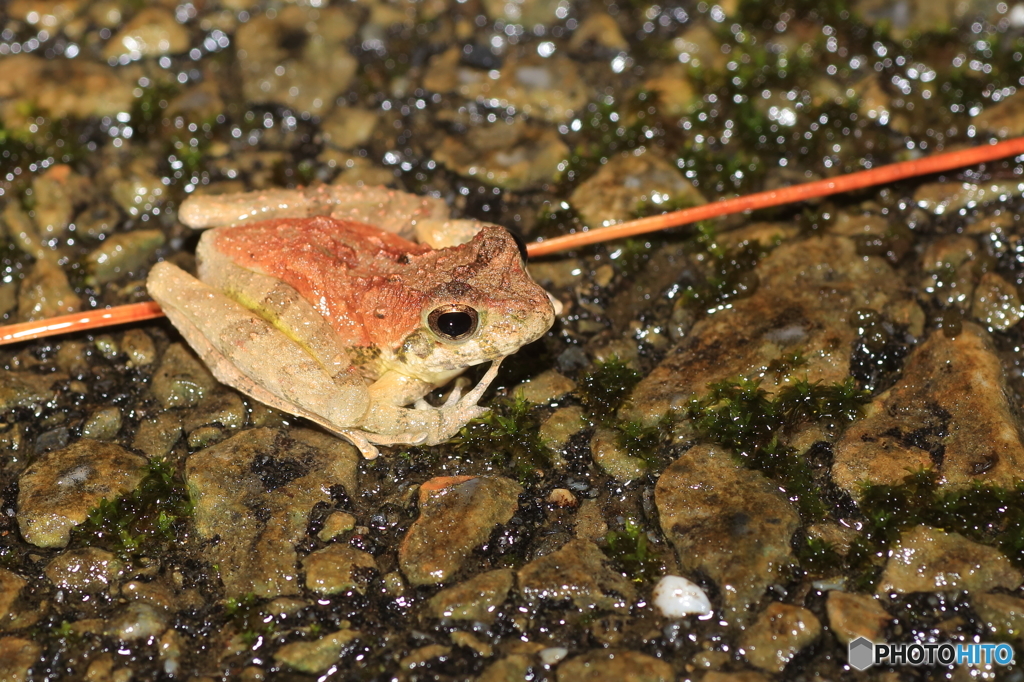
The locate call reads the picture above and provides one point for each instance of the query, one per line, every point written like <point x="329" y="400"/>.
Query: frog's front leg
<point x="423" y="423"/>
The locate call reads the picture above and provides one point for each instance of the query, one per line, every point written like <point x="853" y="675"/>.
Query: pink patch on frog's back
<point x="331" y="263"/>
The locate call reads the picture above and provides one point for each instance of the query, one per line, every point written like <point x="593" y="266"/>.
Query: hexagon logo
<point x="861" y="653"/>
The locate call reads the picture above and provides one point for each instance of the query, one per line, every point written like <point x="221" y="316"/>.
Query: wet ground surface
<point x="810" y="413"/>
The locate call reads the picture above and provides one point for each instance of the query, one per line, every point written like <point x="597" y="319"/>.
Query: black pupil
<point x="454" y="324"/>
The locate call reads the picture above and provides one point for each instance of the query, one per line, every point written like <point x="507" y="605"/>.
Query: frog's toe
<point x="365" y="447"/>
<point x="453" y="397"/>
<point x="422" y="404"/>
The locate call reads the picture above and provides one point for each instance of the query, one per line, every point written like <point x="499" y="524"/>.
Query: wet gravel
<point x="811" y="412"/>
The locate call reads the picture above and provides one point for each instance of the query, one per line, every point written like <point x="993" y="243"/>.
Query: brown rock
<point x="949" y="411"/>
<point x="89" y="569"/>
<point x="59" y="488"/>
<point x="1001" y="613"/>
<point x="728" y="522"/>
<point x="627" y="181"/>
<point x="930" y="560"/>
<point x="253" y="493"/>
<point x="477" y="599"/>
<point x="807" y="293"/>
<point x="778" y="635"/>
<point x="10" y="590"/>
<point x="17" y="657"/>
<point x="578" y="572"/>
<point x="454" y="521"/>
<point x="856" y="615"/>
<point x="615" y="665"/>
<point x="337" y="568"/>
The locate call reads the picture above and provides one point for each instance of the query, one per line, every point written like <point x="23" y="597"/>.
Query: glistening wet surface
<point x="810" y="413"/>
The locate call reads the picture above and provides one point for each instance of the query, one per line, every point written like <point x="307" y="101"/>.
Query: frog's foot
<point x="459" y="409"/>
<point x="368" y="448"/>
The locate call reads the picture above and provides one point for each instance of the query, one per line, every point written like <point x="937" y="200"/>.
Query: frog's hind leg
<point x="248" y="353"/>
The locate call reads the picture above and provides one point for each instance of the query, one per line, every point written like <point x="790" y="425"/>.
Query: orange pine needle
<point x="78" y="322"/>
<point x="786" y="195"/>
<point x="137" y="312"/>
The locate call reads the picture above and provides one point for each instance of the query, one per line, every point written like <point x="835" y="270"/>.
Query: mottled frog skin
<point x="351" y="326"/>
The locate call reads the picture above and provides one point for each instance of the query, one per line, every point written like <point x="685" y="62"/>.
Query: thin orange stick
<point x="786" y="195"/>
<point x="136" y="312"/>
<point x="79" y="322"/>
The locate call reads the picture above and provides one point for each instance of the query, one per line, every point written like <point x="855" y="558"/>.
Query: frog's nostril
<point x="453" y="322"/>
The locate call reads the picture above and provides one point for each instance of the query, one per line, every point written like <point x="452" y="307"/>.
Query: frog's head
<point x="482" y="305"/>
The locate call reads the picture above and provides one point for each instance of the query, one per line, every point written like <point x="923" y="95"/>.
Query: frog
<point x="348" y="306"/>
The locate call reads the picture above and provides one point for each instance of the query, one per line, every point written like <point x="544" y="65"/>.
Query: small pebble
<point x="553" y="655"/>
<point x="677" y="597"/>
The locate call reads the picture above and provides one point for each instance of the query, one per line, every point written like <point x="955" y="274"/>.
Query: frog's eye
<point x="453" y="322"/>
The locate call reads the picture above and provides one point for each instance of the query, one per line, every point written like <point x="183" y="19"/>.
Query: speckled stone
<point x="612" y="458"/>
<point x="59" y="488"/>
<point x="181" y="380"/>
<point x="337" y="568"/>
<point x="729" y="522"/>
<point x="563" y="424"/>
<point x="514" y="668"/>
<point x="152" y="32"/>
<point x="545" y="387"/>
<point x="89" y="569"/>
<point x="808" y="292"/>
<point x="336" y="524"/>
<point x="318" y="655"/>
<point x="856" y="615"/>
<point x="453" y="521"/>
<point x="614" y="665"/>
<point x="137" y="622"/>
<point x="103" y="424"/>
<point x="578" y="572"/>
<point x="17" y="658"/>
<point x="262" y="469"/>
<point x="476" y="599"/>
<point x="156" y="436"/>
<point x="25" y="388"/>
<point x="550" y="89"/>
<point x="952" y="398"/>
<point x="45" y="292"/>
<point x="122" y="254"/>
<point x="930" y="560"/>
<point x="308" y="78"/>
<point x="512" y="156"/>
<point x="613" y="193"/>
<point x="779" y="634"/>
<point x="10" y="591"/>
<point x="1002" y="614"/>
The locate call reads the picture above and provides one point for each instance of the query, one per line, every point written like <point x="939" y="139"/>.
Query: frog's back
<point x="297" y="246"/>
<point x="334" y="265"/>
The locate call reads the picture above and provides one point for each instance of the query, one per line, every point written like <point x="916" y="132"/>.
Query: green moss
<point x="730" y="272"/>
<point x="643" y="441"/>
<point x="629" y="548"/>
<point x="602" y="390"/>
<point x="249" y="618"/>
<point x="988" y="514"/>
<point x="740" y="415"/>
<point x="818" y="557"/>
<point x="510" y="434"/>
<point x="147" y="111"/>
<point x="606" y="128"/>
<point x="153" y="516"/>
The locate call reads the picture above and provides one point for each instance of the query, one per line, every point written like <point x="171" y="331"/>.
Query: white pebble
<point x="553" y="655"/>
<point x="676" y="597"/>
